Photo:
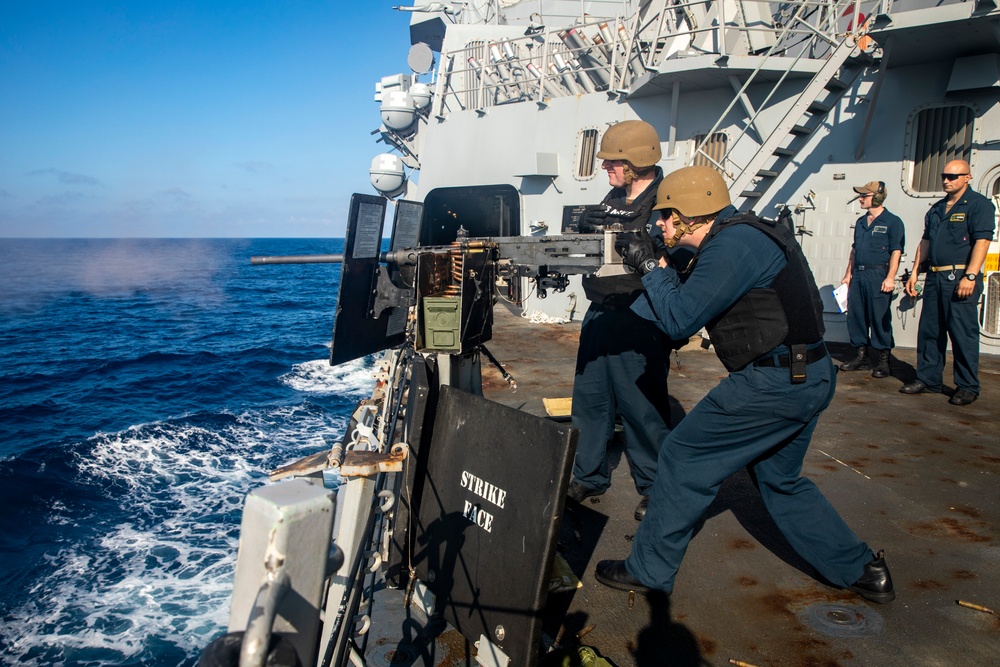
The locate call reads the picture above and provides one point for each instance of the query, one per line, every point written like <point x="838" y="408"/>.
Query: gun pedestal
<point x="475" y="517"/>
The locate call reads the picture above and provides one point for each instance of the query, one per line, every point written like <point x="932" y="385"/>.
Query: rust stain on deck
<point x="948" y="527"/>
<point x="968" y="511"/>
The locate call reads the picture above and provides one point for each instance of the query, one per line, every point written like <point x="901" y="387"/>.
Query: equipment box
<point x="454" y="301"/>
<point x="442" y="318"/>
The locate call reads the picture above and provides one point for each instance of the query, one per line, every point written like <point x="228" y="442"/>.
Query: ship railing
<point x="584" y="58"/>
<point x="488" y="13"/>
<point x="614" y="55"/>
<point x="559" y="14"/>
<point x="687" y="29"/>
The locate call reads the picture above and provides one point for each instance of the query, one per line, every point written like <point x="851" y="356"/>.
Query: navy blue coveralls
<point x="869" y="320"/>
<point x="755" y="417"/>
<point x="951" y="236"/>
<point x="621" y="367"/>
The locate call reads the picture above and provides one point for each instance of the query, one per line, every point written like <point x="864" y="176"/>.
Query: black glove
<point x="593" y="219"/>
<point x="637" y="251"/>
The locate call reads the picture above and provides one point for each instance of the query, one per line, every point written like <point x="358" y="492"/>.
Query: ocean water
<point x="145" y="387"/>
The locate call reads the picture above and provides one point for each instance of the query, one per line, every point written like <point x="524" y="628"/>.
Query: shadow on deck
<point x="913" y="475"/>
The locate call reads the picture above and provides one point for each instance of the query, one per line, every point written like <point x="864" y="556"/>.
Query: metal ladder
<point x="803" y="118"/>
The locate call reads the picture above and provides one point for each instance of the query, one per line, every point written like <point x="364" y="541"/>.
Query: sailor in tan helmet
<point x="751" y="287"/>
<point x="622" y="360"/>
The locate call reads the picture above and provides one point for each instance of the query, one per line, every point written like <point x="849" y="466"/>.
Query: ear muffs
<point x="879" y="195"/>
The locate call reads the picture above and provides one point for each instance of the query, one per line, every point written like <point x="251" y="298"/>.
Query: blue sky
<point x="192" y="118"/>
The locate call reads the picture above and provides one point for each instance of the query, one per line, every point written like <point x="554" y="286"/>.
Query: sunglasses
<point x="951" y="177"/>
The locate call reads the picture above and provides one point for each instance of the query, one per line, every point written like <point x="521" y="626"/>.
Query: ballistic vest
<point x="618" y="292"/>
<point x="788" y="312"/>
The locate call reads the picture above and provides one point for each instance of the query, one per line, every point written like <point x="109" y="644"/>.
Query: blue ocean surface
<point x="145" y="387"/>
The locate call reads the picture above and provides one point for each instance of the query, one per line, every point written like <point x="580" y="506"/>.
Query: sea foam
<point x="155" y="577"/>
<point x="352" y="378"/>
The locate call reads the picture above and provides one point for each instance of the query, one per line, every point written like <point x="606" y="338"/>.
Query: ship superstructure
<point x="497" y="128"/>
<point x="457" y="501"/>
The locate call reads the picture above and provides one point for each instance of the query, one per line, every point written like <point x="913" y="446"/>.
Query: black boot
<point x="859" y="363"/>
<point x="883" y="369"/>
<point x="875" y="584"/>
<point x="614" y="574"/>
<point x="578" y="492"/>
<point x="640" y="509"/>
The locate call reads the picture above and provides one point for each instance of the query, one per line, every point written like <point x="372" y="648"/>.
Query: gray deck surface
<point x="913" y="475"/>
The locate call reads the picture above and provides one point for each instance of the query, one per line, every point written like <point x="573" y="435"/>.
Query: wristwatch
<point x="649" y="265"/>
<point x="971" y="276"/>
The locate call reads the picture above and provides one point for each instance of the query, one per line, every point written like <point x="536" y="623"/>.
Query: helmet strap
<point x="684" y="227"/>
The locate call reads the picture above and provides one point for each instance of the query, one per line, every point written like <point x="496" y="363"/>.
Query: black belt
<point x="871" y="267"/>
<point x="784" y="360"/>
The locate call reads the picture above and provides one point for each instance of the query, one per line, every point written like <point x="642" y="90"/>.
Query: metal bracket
<point x="360" y="463"/>
<point x="387" y="295"/>
<point x="363" y="436"/>
<point x="355" y="463"/>
<point x="489" y="654"/>
<point x="253" y="650"/>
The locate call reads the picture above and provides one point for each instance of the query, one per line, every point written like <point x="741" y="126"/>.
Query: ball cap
<point x="867" y="189"/>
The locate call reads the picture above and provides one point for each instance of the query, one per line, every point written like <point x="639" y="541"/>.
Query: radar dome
<point x="421" y="95"/>
<point x="387" y="175"/>
<point x="398" y="112"/>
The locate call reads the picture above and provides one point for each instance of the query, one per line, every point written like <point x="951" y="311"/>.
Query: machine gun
<point x="423" y="461"/>
<point x="452" y="286"/>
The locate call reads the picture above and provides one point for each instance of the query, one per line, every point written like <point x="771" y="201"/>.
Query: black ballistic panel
<point x="356" y="331"/>
<point x="406" y="234"/>
<point x="406" y="225"/>
<point x="489" y="516"/>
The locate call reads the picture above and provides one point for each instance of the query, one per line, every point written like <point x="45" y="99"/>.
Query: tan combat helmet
<point x="697" y="193"/>
<point x="634" y="141"/>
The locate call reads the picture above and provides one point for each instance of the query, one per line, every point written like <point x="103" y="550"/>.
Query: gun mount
<point x="453" y="287"/>
<point x="496" y="472"/>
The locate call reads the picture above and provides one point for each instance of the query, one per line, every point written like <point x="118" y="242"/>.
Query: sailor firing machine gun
<point x="429" y="476"/>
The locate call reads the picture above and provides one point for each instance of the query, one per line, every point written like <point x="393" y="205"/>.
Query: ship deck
<point x="913" y="475"/>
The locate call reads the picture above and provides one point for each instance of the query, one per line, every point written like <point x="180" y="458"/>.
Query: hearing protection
<point x="879" y="196"/>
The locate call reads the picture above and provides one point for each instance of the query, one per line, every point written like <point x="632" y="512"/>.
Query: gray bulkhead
<point x="533" y="143"/>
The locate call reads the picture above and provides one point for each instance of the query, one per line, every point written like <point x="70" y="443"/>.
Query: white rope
<point x="538" y="317"/>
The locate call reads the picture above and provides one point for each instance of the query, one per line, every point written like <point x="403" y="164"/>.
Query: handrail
<point x="742" y="90"/>
<point x="253" y="650"/>
<point x="597" y="58"/>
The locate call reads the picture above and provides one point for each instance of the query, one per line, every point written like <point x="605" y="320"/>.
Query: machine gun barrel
<point x="297" y="259"/>
<point x="406" y="257"/>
